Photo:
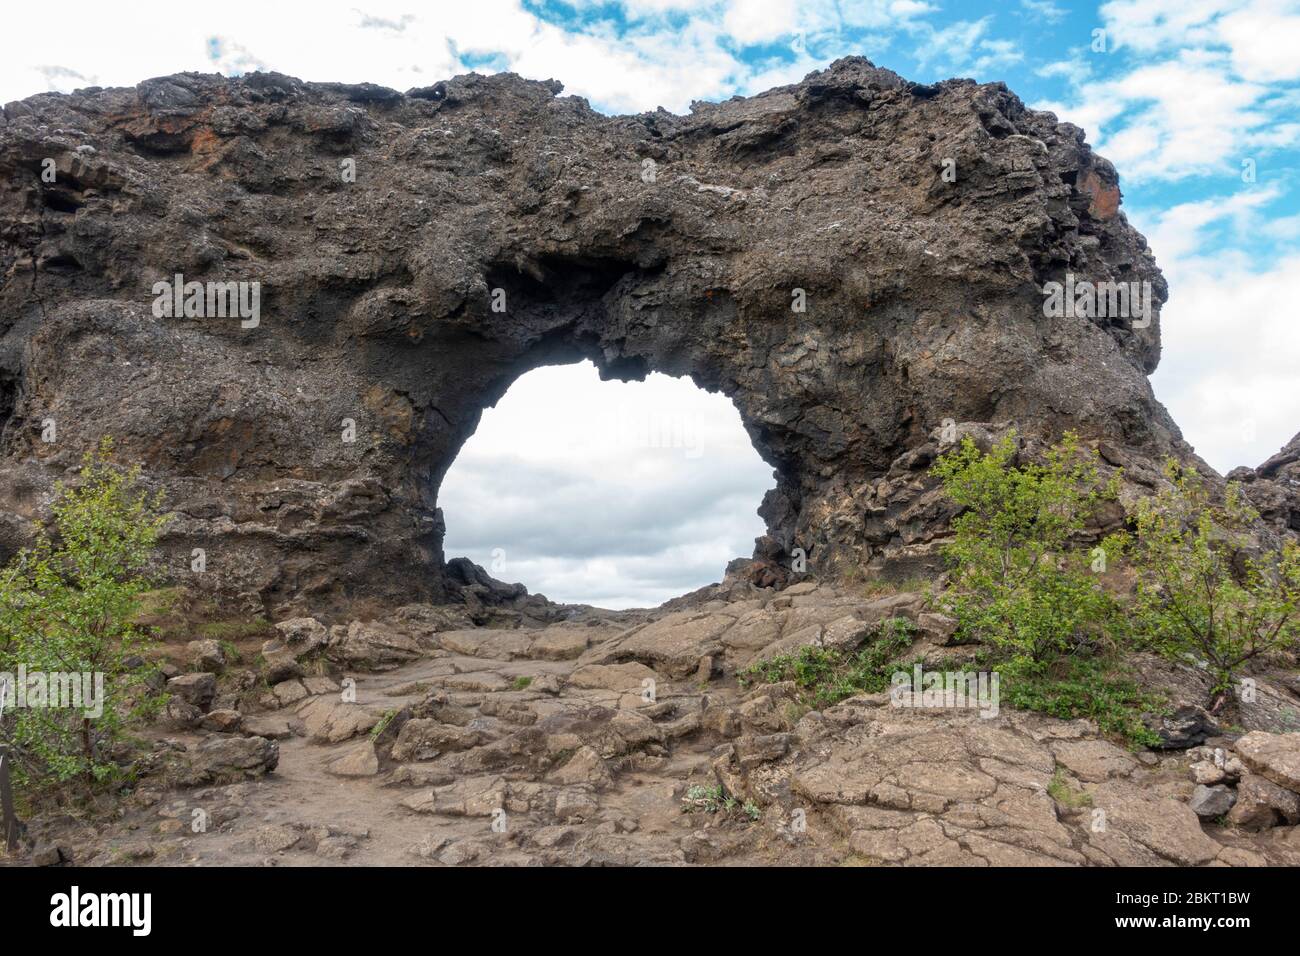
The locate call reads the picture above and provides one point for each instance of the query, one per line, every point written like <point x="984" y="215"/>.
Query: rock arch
<point x="681" y="244"/>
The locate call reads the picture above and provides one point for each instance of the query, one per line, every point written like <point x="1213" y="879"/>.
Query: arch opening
<point x="617" y="494"/>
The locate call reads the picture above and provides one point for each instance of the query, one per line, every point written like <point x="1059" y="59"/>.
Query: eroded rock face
<point x="800" y="251"/>
<point x="1274" y="488"/>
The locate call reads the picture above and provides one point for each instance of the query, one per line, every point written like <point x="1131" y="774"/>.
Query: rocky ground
<point x="627" y="738"/>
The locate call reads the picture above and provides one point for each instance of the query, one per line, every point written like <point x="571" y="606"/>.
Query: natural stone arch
<point x="652" y="242"/>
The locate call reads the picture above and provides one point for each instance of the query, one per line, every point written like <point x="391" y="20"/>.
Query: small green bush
<point x="1204" y="590"/>
<point x="1061" y="791"/>
<point x="825" y="676"/>
<point x="1025" y="588"/>
<point x="1019" y="584"/>
<point x="67" y="606"/>
<point x="1096" y="687"/>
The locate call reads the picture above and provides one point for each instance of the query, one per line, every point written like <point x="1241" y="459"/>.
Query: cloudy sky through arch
<point x="619" y="494"/>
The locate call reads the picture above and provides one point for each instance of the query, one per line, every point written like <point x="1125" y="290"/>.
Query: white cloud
<point x="1265" y="41"/>
<point x="656" y="59"/>
<point x="754" y="21"/>
<point x="1228" y="372"/>
<point x="1045" y="10"/>
<point x="1261" y="36"/>
<point x="613" y="493"/>
<point x="964" y="46"/>
<point x="1197" y="98"/>
<point x="877" y="14"/>
<point x="1176" y="118"/>
<point x="1176" y="234"/>
<point x="1231" y="354"/>
<point x="1075" y="69"/>
<point x="1287" y="227"/>
<point x="1148" y="25"/>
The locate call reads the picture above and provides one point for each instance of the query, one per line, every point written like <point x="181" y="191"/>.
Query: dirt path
<point x="609" y="741"/>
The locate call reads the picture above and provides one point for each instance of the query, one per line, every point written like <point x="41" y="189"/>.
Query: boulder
<point x="675" y="643"/>
<point x="272" y="728"/>
<point x="371" y="646"/>
<point x="1167" y="828"/>
<point x="280" y="662"/>
<point x="1210" y="803"/>
<point x="560" y="643"/>
<point x="303" y="634"/>
<point x="845" y="634"/>
<point x="386" y="319"/>
<point x="181" y="714"/>
<point x="425" y="739"/>
<point x="224" y="759"/>
<point x="1188" y="726"/>
<point x="584" y="766"/>
<point x="289" y="692"/>
<point x="629" y="677"/>
<point x="1093" y="760"/>
<point x="1207" y="773"/>
<point x="703" y="287"/>
<point x="222" y="721"/>
<point x="207" y="655"/>
<point x="360" y="760"/>
<point x="1273" y="756"/>
<point x="197" y="689"/>
<point x="1262" y="804"/>
<point x="330" y="720"/>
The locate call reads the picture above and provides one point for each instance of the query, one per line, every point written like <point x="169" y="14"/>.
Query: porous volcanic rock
<point x="1274" y="487"/>
<point x="800" y="251"/>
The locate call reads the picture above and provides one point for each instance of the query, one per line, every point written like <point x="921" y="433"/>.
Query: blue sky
<point x="1197" y="102"/>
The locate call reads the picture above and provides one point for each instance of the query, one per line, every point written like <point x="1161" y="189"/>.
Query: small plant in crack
<point x="383" y="723"/>
<point x="702" y="799"/>
<point x="826" y="676"/>
<point x="712" y="800"/>
<point x="1060" y="790"/>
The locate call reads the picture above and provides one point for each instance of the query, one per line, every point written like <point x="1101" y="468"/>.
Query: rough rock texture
<point x="1274" y="487"/>
<point x="656" y="242"/>
<point x="1275" y="756"/>
<point x="489" y="748"/>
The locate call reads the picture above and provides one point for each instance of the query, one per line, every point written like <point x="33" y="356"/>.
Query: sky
<point x="618" y="494"/>
<point x="1197" y="102"/>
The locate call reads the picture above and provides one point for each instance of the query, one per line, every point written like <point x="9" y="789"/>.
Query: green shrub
<point x="1024" y="587"/>
<point x="1096" y="687"/>
<point x="67" y="605"/>
<point x="382" y="724"/>
<point x="1018" y="582"/>
<point x="702" y="799"/>
<point x="826" y="676"/>
<point x="1203" y="590"/>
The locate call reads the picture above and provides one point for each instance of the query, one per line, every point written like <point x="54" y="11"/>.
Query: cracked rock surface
<point x="493" y="748"/>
